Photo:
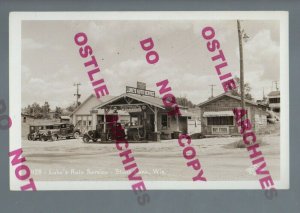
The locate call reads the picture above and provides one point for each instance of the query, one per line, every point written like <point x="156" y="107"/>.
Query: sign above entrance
<point x="140" y="91"/>
<point x="131" y="108"/>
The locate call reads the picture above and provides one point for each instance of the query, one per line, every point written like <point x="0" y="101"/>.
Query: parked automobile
<point x="64" y="130"/>
<point x="135" y="132"/>
<point x="34" y="132"/>
<point x="52" y="132"/>
<point x="40" y="132"/>
<point x="98" y="134"/>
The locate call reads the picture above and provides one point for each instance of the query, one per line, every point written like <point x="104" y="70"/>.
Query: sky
<point x="51" y="63"/>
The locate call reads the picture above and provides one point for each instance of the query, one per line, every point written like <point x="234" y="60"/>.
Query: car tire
<point x="136" y="137"/>
<point x="86" y="139"/>
<point x="44" y="138"/>
<point x="29" y="137"/>
<point x="76" y="135"/>
<point x="54" y="137"/>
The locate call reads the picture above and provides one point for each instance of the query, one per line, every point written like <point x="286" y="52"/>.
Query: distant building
<point x="65" y="119"/>
<point x="274" y="101"/>
<point x="27" y="118"/>
<point x="217" y="116"/>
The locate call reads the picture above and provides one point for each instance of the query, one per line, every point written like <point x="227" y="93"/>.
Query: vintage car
<point x="52" y="132"/>
<point x="135" y="132"/>
<point x="40" y="132"/>
<point x="34" y="132"/>
<point x="64" y="130"/>
<point x="99" y="134"/>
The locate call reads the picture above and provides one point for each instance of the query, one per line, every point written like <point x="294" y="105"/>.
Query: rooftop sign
<point x="140" y="91"/>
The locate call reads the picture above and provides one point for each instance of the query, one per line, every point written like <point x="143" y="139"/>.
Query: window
<point x="226" y="120"/>
<point x="49" y="127"/>
<point x="164" y="121"/>
<point x="274" y="100"/>
<point x="84" y="123"/>
<point x="90" y="123"/>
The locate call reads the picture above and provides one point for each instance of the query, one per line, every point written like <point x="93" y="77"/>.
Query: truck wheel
<point x="86" y="139"/>
<point x="76" y="135"/>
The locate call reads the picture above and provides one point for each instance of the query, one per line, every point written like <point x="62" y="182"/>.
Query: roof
<point x="228" y="95"/>
<point x="154" y="101"/>
<point x="185" y="113"/>
<point x="274" y="93"/>
<point x="26" y="114"/>
<point x="65" y="117"/>
<point x="101" y="100"/>
<point x="218" y="114"/>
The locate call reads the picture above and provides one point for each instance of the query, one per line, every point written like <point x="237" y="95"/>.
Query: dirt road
<point x="74" y="160"/>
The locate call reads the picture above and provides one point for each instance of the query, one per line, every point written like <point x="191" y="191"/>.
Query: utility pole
<point x="241" y="65"/>
<point x="77" y="93"/>
<point x="212" y="89"/>
<point x="276" y="85"/>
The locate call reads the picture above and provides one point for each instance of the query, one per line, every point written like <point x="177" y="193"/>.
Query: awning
<point x="218" y="114"/>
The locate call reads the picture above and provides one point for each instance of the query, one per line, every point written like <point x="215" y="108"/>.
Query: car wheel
<point x="54" y="137"/>
<point x="76" y="135"/>
<point x="136" y="137"/>
<point x="86" y="139"/>
<point x="44" y="138"/>
<point x="29" y="137"/>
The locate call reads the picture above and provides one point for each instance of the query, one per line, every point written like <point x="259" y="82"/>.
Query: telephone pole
<point x="241" y="65"/>
<point x="212" y="90"/>
<point x="77" y="93"/>
<point x="276" y="85"/>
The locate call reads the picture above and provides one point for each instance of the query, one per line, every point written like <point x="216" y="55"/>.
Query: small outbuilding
<point x="217" y="116"/>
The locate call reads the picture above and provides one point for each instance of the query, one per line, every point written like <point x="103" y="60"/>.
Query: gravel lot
<point x="74" y="160"/>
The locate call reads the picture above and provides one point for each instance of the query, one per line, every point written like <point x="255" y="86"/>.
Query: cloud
<point x="29" y="43"/>
<point x="262" y="53"/>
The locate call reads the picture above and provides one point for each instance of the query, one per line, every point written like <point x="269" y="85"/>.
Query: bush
<point x="240" y="144"/>
<point x="197" y="136"/>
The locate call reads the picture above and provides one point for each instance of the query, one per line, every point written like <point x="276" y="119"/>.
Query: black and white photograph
<point x="173" y="80"/>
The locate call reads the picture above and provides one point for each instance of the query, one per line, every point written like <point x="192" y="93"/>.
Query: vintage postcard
<point x="149" y="100"/>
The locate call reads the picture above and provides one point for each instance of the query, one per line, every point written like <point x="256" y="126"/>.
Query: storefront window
<point x="225" y="120"/>
<point x="164" y="121"/>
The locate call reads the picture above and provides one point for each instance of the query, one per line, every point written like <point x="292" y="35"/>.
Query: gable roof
<point x="228" y="95"/>
<point x="101" y="100"/>
<point x="154" y="101"/>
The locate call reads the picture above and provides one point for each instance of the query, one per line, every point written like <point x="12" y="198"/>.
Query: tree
<point x="183" y="101"/>
<point x="46" y="110"/>
<point x="36" y="110"/>
<point x="72" y="107"/>
<point x="237" y="91"/>
<point x="58" y="112"/>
